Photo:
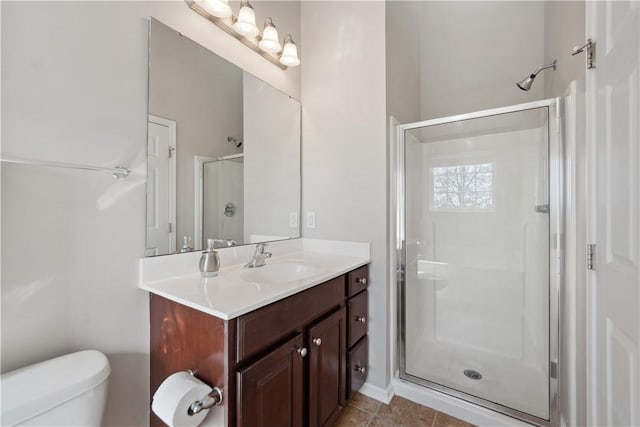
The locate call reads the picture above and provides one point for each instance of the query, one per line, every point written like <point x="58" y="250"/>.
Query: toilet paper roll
<point x="174" y="396"/>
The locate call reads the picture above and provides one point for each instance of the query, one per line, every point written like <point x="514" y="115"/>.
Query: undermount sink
<point x="280" y="272"/>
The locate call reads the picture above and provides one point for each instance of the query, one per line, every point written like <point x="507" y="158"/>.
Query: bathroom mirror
<point x="223" y="154"/>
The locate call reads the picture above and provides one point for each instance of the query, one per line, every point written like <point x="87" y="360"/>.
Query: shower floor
<point x="505" y="380"/>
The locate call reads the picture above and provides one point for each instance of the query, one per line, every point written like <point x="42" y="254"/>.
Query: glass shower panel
<point x="476" y="296"/>
<point x="223" y="201"/>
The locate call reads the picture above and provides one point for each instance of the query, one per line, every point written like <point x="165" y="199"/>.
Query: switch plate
<point x="311" y="220"/>
<point x="293" y="219"/>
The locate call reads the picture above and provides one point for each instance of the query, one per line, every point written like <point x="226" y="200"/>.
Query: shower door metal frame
<point x="556" y="256"/>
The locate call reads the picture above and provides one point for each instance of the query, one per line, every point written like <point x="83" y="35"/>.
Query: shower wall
<point x="493" y="250"/>
<point x="443" y="58"/>
<point x="468" y="64"/>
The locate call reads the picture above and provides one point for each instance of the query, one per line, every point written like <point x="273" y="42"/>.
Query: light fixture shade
<point x="217" y="8"/>
<point x="269" y="42"/>
<point x="246" y="23"/>
<point x="289" y="55"/>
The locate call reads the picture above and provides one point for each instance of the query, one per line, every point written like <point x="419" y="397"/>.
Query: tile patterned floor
<point x="362" y="411"/>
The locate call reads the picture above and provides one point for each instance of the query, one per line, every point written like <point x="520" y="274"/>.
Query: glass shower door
<point x="476" y="295"/>
<point x="223" y="201"/>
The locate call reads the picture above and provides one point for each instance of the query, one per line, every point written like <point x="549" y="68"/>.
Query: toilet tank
<point x="70" y="390"/>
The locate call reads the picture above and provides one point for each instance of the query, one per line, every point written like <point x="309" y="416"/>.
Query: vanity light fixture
<point x="217" y="8"/>
<point x="269" y="41"/>
<point x="289" y="55"/>
<point x="246" y="21"/>
<point x="245" y="30"/>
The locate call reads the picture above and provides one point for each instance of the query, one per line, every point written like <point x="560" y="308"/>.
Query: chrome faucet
<point x="226" y="242"/>
<point x="259" y="256"/>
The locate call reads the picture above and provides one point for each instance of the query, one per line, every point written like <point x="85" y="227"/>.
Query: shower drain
<point x="474" y="375"/>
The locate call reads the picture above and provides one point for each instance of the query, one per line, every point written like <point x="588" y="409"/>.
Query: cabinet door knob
<point x="317" y="341"/>
<point x="362" y="280"/>
<point x="361" y="369"/>
<point x="361" y="319"/>
<point x="302" y="351"/>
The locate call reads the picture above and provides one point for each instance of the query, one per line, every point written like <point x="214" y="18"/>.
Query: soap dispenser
<point x="209" y="261"/>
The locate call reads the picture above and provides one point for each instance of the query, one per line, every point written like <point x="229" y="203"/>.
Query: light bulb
<point x="269" y="42"/>
<point x="289" y="55"/>
<point x="218" y="8"/>
<point x="246" y="23"/>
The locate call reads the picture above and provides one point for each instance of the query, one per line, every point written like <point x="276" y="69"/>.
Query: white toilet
<point x="70" y="390"/>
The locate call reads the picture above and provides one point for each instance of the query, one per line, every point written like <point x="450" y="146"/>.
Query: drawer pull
<point x="302" y="351"/>
<point x="361" y="319"/>
<point x="360" y="369"/>
<point x="362" y="280"/>
<point x="317" y="341"/>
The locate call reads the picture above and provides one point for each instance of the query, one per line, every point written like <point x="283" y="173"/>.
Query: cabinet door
<point x="327" y="368"/>
<point x="270" y="391"/>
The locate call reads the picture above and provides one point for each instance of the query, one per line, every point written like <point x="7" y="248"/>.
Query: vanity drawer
<point x="265" y="326"/>
<point x="357" y="366"/>
<point x="358" y="317"/>
<point x="357" y="280"/>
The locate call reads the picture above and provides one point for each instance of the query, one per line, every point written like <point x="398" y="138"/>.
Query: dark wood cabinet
<point x="358" y="311"/>
<point x="327" y="364"/>
<point x="288" y="364"/>
<point x="357" y="326"/>
<point x="357" y="365"/>
<point x="270" y="390"/>
<point x="357" y="281"/>
<point x="261" y="328"/>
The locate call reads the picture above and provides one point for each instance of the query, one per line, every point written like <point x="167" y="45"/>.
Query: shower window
<point x="462" y="187"/>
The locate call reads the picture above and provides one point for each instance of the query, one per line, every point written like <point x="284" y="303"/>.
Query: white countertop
<point x="226" y="296"/>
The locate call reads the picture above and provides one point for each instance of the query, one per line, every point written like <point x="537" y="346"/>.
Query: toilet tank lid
<point x="34" y="389"/>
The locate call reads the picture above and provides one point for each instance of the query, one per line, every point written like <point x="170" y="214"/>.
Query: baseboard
<point x="452" y="406"/>
<point x="378" y="393"/>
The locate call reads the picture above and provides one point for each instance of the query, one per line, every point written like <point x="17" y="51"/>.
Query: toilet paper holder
<point x="212" y="399"/>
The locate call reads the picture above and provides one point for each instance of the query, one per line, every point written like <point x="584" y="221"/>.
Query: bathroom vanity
<point x="286" y="342"/>
<point x="285" y="353"/>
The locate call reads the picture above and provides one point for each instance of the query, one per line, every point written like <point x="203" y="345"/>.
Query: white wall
<point x="563" y="29"/>
<point x="344" y="133"/>
<point x="74" y="82"/>
<point x="473" y="53"/>
<point x="402" y="25"/>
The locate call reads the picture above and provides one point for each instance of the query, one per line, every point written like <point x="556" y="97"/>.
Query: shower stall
<point x="478" y="258"/>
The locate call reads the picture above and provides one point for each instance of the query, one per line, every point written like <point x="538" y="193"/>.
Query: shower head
<point x="526" y="83"/>
<point x="234" y="141"/>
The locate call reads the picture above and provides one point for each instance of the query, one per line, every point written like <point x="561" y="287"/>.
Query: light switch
<point x="311" y="220"/>
<point x="293" y="219"/>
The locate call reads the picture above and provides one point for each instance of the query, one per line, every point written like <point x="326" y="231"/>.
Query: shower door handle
<point x="542" y="209"/>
